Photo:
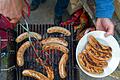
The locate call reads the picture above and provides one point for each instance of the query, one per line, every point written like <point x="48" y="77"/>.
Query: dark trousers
<point x="36" y="2"/>
<point x="60" y="6"/>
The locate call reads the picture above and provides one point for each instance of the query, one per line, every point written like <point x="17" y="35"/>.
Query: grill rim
<point x="44" y="28"/>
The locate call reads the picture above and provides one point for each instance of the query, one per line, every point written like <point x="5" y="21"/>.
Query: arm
<point x="104" y="8"/>
<point x="104" y="11"/>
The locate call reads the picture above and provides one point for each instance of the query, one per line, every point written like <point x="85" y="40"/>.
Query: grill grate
<point x="53" y="56"/>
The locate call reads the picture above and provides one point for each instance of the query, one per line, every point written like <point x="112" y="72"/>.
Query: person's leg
<point x="60" y="7"/>
<point x="35" y="4"/>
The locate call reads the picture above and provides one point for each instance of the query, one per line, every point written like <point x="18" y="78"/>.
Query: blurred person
<point x="60" y="8"/>
<point x="104" y="12"/>
<point x="13" y="9"/>
<point x="35" y="4"/>
<point x="11" y="12"/>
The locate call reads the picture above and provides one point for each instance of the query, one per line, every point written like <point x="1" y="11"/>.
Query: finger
<point x="110" y="31"/>
<point x="98" y="24"/>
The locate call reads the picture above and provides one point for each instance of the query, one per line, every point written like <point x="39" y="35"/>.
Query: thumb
<point x="107" y="34"/>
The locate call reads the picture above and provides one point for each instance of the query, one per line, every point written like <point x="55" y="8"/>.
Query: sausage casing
<point x="61" y="41"/>
<point x="97" y="54"/>
<point x="20" y="53"/>
<point x="26" y="35"/>
<point x="62" y="65"/>
<point x="93" y="61"/>
<point x="88" y="67"/>
<point x="59" y="30"/>
<point x="34" y="74"/>
<point x="55" y="46"/>
<point x="50" y="72"/>
<point x="98" y="46"/>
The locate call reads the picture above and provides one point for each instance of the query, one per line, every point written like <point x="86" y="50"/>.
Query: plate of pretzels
<point x="98" y="56"/>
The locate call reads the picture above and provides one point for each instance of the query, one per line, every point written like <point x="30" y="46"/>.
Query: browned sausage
<point x="55" y="46"/>
<point x="98" y="55"/>
<point x="61" y="41"/>
<point x="50" y="72"/>
<point x="93" y="61"/>
<point x="57" y="29"/>
<point x="62" y="65"/>
<point x="26" y="35"/>
<point x="20" y="53"/>
<point x="98" y="46"/>
<point x="87" y="66"/>
<point x="34" y="74"/>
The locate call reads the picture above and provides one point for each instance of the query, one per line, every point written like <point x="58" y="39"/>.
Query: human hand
<point x="105" y="24"/>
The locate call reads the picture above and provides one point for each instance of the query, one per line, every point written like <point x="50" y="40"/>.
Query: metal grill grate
<point x="53" y="58"/>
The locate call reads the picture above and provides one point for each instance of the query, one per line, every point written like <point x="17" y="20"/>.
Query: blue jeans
<point x="60" y="6"/>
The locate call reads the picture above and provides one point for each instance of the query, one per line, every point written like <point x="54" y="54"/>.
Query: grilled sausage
<point x="61" y="41"/>
<point x="87" y="66"/>
<point x="55" y="46"/>
<point x="93" y="61"/>
<point x="98" y="55"/>
<point x="98" y="46"/>
<point x="57" y="29"/>
<point x="62" y="65"/>
<point x="50" y="72"/>
<point x="26" y="35"/>
<point x="34" y="74"/>
<point x="20" y="53"/>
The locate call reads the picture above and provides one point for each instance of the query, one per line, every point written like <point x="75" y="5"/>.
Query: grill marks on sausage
<point x="98" y="54"/>
<point x="87" y="66"/>
<point x="98" y="46"/>
<point x="90" y="60"/>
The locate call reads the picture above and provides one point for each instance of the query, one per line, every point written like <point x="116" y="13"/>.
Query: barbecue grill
<point x="51" y="57"/>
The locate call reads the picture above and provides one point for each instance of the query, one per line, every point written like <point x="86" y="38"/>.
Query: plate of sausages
<point x="97" y="55"/>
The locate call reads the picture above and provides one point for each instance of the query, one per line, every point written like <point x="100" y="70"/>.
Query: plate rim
<point x="90" y="33"/>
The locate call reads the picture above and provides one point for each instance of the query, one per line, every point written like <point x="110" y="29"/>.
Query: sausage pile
<point x="47" y="44"/>
<point x="94" y="57"/>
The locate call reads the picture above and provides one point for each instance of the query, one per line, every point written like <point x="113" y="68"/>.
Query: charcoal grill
<point x="53" y="57"/>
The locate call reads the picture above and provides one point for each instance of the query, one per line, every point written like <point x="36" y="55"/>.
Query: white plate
<point x="110" y="41"/>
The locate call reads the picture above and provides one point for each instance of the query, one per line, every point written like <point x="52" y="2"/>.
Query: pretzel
<point x="57" y="29"/>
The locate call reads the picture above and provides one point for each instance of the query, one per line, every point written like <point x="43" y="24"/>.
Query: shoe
<point x="33" y="7"/>
<point x="43" y="1"/>
<point x="57" y="20"/>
